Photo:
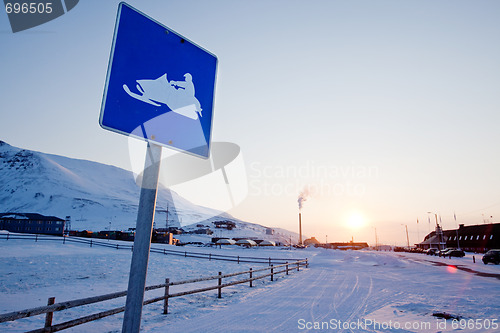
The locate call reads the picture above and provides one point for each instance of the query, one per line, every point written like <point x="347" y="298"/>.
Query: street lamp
<point x="376" y="239"/>
<point x="429" y="219"/>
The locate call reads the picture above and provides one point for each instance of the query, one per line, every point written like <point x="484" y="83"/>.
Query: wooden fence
<point x="51" y="307"/>
<point x="93" y="242"/>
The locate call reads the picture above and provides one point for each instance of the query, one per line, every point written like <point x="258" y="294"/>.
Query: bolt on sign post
<point x="159" y="88"/>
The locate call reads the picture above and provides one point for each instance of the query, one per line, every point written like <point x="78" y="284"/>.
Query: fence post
<point x="8" y="236"/>
<point x="91" y="243"/>
<point x="269" y="261"/>
<point x="36" y="238"/>
<point x="210" y="257"/>
<point x="117" y="246"/>
<point x="250" y="278"/>
<point x="220" y="283"/>
<point x="298" y="266"/>
<point x="165" y="301"/>
<point x="307" y="263"/>
<point x="272" y="272"/>
<point x="64" y="239"/>
<point x="287" y="268"/>
<point x="238" y="259"/>
<point x="48" y="317"/>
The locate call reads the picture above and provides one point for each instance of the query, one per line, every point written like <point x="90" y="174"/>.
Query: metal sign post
<point x="142" y="240"/>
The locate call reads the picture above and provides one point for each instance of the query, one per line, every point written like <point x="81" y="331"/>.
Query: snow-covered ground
<point x="350" y="291"/>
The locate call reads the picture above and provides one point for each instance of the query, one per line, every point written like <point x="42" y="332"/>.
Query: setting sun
<point x="355" y="221"/>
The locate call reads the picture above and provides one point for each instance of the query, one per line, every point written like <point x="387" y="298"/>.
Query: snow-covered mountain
<point x="95" y="195"/>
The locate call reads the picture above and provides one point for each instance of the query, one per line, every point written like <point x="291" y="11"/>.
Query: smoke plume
<point x="303" y="197"/>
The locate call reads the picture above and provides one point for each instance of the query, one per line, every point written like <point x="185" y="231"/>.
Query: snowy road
<point x="316" y="294"/>
<point x="341" y="291"/>
<point x="355" y="292"/>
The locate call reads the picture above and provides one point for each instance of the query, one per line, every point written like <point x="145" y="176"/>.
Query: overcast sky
<point x="384" y="110"/>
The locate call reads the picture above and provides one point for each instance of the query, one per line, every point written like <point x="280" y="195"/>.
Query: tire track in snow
<point x="328" y="280"/>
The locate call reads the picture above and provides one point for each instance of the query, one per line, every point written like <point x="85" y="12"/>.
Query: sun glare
<point x="356" y="221"/>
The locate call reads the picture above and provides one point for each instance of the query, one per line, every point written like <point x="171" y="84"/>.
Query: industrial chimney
<point x="300" y="229"/>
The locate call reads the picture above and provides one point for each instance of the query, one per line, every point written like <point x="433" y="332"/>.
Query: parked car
<point x="455" y="253"/>
<point x="442" y="253"/>
<point x="492" y="256"/>
<point x="431" y="252"/>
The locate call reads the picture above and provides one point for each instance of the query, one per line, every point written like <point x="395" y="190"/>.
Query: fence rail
<point x="50" y="309"/>
<point x="200" y="255"/>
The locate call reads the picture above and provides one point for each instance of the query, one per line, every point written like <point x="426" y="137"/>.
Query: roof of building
<point x="224" y="223"/>
<point x="28" y="216"/>
<point x="311" y="240"/>
<point x="350" y="244"/>
<point x="483" y="229"/>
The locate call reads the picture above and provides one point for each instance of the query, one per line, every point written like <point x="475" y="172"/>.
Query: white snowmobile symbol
<point x="177" y="95"/>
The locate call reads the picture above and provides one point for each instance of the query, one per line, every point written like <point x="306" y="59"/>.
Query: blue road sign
<point x="160" y="86"/>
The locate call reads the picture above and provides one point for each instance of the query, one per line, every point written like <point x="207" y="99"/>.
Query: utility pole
<point x="166" y="222"/>
<point x="407" y="237"/>
<point x="418" y="232"/>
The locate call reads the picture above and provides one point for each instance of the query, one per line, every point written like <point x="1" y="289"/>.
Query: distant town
<point x="474" y="238"/>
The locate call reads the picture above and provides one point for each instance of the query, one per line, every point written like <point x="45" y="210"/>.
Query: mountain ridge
<point x="62" y="186"/>
<point x="96" y="196"/>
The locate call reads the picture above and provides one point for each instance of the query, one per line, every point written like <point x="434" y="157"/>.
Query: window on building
<point x="477" y="238"/>
<point x="460" y="238"/>
<point x="484" y="237"/>
<point x="465" y="238"/>
<point x="491" y="237"/>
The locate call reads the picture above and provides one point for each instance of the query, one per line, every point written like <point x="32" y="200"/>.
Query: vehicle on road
<point x="492" y="256"/>
<point x="431" y="252"/>
<point x="442" y="253"/>
<point x="455" y="253"/>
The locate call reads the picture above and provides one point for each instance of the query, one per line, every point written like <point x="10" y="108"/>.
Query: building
<point x="311" y="241"/>
<point x="474" y="238"/>
<point x="229" y="225"/>
<point x="434" y="240"/>
<point x="344" y="246"/>
<point x="32" y="223"/>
